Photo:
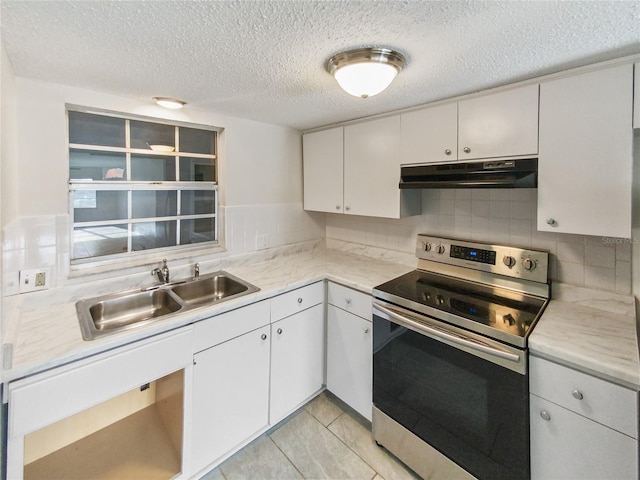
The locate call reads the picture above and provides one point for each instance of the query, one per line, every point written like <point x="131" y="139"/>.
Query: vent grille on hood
<point x="522" y="173"/>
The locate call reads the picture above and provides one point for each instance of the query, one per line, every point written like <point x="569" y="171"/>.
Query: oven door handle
<point x="444" y="334"/>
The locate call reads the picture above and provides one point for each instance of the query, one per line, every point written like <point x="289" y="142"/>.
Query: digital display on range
<point x="473" y="254"/>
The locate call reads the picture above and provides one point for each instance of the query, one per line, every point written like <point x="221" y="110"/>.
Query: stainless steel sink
<point x="109" y="314"/>
<point x="212" y="288"/>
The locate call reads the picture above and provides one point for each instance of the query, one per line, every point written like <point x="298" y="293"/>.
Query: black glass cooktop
<point x="511" y="313"/>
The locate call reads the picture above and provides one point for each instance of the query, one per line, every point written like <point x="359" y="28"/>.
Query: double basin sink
<point x="122" y="311"/>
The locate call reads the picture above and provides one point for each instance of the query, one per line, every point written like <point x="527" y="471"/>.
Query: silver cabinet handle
<point x="348" y="301"/>
<point x="337" y="207"/>
<point x="347" y="208"/>
<point x="447" y="152"/>
<point x="466" y="150"/>
<point x="577" y="394"/>
<point x="263" y="336"/>
<point x="366" y="330"/>
<point x="551" y="221"/>
<point x="279" y="331"/>
<point x="545" y="415"/>
<point x="299" y="299"/>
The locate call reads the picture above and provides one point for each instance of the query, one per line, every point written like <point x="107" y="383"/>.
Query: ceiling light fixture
<point x="365" y="72"/>
<point x="171" y="103"/>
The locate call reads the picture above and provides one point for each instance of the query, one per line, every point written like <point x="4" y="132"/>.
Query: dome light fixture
<point x="365" y="72"/>
<point x="170" y="103"/>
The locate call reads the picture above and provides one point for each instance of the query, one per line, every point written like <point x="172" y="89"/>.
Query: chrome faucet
<point x="162" y="272"/>
<point x="196" y="271"/>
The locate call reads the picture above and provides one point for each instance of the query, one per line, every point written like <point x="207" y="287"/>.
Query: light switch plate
<point x="34" y="280"/>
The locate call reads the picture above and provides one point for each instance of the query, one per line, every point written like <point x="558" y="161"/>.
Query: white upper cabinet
<point x="502" y="124"/>
<point x="430" y="135"/>
<point x="585" y="161"/>
<point x="323" y="173"/>
<point x="356" y="170"/>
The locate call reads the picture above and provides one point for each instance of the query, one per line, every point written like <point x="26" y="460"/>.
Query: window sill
<point x="153" y="257"/>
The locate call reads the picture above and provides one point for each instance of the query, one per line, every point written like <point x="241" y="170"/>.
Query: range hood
<point x="522" y="173"/>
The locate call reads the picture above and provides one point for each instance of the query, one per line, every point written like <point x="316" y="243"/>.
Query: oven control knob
<point x="440" y="249"/>
<point x="528" y="264"/>
<point x="439" y="300"/>
<point x="509" y="261"/>
<point x="426" y="246"/>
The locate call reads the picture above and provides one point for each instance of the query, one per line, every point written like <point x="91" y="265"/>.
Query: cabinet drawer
<point x="44" y="399"/>
<point x="567" y="446"/>
<point x="602" y="401"/>
<point x="350" y="300"/>
<point x="226" y="326"/>
<point x="297" y="300"/>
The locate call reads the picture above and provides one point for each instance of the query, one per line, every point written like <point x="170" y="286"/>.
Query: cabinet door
<point x="503" y="124"/>
<point x="349" y="359"/>
<point x="372" y="168"/>
<point x="230" y="395"/>
<point x="297" y="360"/>
<point x="571" y="447"/>
<point x="323" y="174"/>
<point x="429" y="135"/>
<point x="585" y="162"/>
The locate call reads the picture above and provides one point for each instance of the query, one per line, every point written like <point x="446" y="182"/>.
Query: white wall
<point x="260" y="173"/>
<point x="261" y="164"/>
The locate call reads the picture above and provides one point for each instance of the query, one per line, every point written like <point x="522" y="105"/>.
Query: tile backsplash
<point x="503" y="216"/>
<point x="44" y="241"/>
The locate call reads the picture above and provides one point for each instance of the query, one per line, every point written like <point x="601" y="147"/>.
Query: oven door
<point x="465" y="395"/>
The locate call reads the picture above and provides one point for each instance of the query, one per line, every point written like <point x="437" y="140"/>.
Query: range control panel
<point x="500" y="259"/>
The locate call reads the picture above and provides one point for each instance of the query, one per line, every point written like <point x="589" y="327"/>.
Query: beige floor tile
<point x="260" y="459"/>
<point x="358" y="438"/>
<point x="324" y="408"/>
<point x="214" y="474"/>
<point x="317" y="453"/>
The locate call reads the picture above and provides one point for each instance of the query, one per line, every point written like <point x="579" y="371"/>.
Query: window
<point x="136" y="184"/>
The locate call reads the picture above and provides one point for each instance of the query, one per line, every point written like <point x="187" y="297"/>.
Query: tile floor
<point x="323" y="440"/>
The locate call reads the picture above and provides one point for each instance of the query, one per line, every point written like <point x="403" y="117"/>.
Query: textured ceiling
<point x="264" y="60"/>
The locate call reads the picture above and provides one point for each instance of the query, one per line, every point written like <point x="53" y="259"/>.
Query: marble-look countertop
<point x="591" y="331"/>
<point x="46" y="334"/>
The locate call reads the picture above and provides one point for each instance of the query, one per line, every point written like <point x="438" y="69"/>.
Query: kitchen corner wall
<point x="501" y="216"/>
<point x="260" y="181"/>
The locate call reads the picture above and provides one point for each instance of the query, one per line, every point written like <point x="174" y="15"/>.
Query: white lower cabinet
<point x="118" y="415"/>
<point x="230" y="395"/>
<point x="297" y="360"/>
<point x="582" y="427"/>
<point x="349" y="348"/>
<point x="349" y="373"/>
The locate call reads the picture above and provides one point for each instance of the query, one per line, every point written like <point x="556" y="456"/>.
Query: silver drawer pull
<point x="348" y="301"/>
<point x="300" y="300"/>
<point x="263" y="336"/>
<point x="545" y="415"/>
<point x="577" y="394"/>
<point x="366" y="330"/>
<point x="279" y="331"/>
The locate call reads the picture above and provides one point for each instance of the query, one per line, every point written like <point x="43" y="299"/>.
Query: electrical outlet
<point x="33" y="280"/>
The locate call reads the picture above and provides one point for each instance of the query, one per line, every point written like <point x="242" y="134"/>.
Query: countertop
<point x="591" y="331"/>
<point x="588" y="330"/>
<point x="46" y="334"/>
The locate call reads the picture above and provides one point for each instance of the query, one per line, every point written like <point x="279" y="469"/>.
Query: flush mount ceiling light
<point x="365" y="72"/>
<point x="171" y="103"/>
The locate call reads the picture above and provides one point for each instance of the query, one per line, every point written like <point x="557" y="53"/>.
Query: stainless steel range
<point x="450" y="377"/>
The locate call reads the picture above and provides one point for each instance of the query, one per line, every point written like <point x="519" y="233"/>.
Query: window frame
<point x="131" y="186"/>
